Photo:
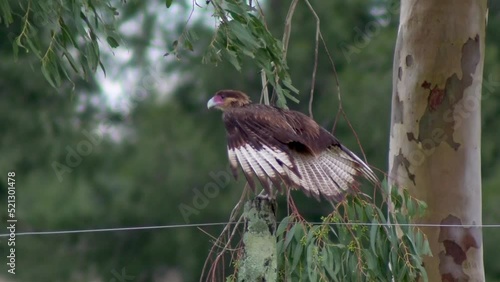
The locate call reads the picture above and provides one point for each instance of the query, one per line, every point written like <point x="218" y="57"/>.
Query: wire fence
<point x="209" y="224"/>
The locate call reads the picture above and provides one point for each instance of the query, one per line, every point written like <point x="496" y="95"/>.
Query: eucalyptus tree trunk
<point x="436" y="127"/>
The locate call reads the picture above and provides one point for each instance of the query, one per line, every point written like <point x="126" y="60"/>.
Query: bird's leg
<point x="264" y="195"/>
<point x="270" y="198"/>
<point x="271" y="195"/>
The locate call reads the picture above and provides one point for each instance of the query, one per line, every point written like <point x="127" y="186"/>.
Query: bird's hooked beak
<point x="215" y="102"/>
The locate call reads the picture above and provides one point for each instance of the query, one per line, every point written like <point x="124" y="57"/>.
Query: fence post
<point x="259" y="262"/>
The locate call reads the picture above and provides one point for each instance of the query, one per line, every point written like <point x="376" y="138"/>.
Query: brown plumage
<point x="282" y="146"/>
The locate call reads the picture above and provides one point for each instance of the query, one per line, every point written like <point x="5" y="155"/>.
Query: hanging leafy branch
<point x="356" y="242"/>
<point x="73" y="41"/>
<point x="78" y="29"/>
<point x="242" y="32"/>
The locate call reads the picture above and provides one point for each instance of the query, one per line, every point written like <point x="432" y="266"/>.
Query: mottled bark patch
<point x="426" y="84"/>
<point x="457" y="241"/>
<point x="409" y="60"/>
<point x="397" y="110"/>
<point x="442" y="102"/>
<point x="435" y="97"/>
<point x="427" y="146"/>
<point x="449" y="271"/>
<point x="399" y="160"/>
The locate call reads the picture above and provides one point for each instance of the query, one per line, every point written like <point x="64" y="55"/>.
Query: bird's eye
<point x="222" y="96"/>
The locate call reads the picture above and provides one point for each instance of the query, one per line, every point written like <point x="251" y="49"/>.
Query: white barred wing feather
<point x="329" y="174"/>
<point x="265" y="163"/>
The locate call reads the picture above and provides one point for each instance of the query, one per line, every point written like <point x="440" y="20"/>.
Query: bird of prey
<point x="281" y="146"/>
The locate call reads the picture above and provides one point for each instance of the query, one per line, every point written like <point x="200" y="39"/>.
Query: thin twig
<point x="265" y="92"/>
<point x="234" y="212"/>
<point x="288" y="27"/>
<point x="341" y="109"/>
<point x="226" y="246"/>
<point x="316" y="47"/>
<point x="26" y="24"/>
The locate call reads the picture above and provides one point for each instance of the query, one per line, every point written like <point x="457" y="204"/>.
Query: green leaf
<point x="188" y="45"/>
<point x="112" y="42"/>
<point x="102" y="68"/>
<point x="299" y="233"/>
<point x="287" y="94"/>
<point x="359" y="211"/>
<point x="19" y="42"/>
<point x="409" y="242"/>
<point x="65" y="72"/>
<point x="426" y="249"/>
<point x="313" y="274"/>
<point x="233" y="8"/>
<point x="233" y="59"/>
<point x="57" y="75"/>
<point x="66" y="34"/>
<point x="168" y="3"/>
<point x="421" y="207"/>
<point x="288" y="84"/>
<point x="423" y="273"/>
<point x="33" y="47"/>
<point x="352" y="265"/>
<point x="6" y="12"/>
<point x="336" y="263"/>
<point x="373" y="235"/>
<point x="385" y="187"/>
<point x="279" y="247"/>
<point x="311" y="269"/>
<point x="289" y="235"/>
<point x="381" y="215"/>
<point x="327" y="259"/>
<point x="371" y="259"/>
<point x="92" y="56"/>
<point x="71" y="61"/>
<point x="47" y="75"/>
<point x="403" y="220"/>
<point x="310" y="234"/>
<point x="282" y="226"/>
<point x="297" y="253"/>
<point x="243" y="35"/>
<point x="402" y="273"/>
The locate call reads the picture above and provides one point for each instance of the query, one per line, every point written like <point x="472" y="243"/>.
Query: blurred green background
<point x="134" y="148"/>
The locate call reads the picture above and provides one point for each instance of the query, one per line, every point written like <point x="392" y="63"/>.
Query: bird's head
<point x="227" y="99"/>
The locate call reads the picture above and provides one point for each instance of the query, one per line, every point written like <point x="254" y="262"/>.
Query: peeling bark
<point x="456" y="241"/>
<point x="436" y="127"/>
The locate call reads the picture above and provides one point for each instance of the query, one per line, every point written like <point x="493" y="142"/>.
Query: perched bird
<point x="283" y="146"/>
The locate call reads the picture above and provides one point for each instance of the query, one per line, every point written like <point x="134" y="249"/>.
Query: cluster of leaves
<point x="356" y="242"/>
<point x="65" y="36"/>
<point x="73" y="29"/>
<point x="186" y="41"/>
<point x="243" y="33"/>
